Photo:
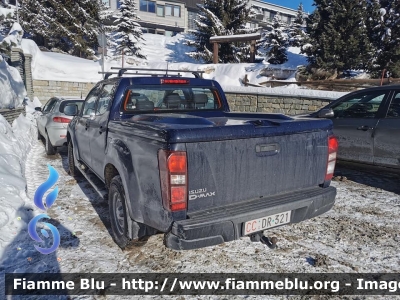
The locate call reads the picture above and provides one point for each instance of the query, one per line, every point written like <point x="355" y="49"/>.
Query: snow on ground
<point x="360" y="234"/>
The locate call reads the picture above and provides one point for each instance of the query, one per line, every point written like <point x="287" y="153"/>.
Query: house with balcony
<point x="265" y="13"/>
<point x="168" y="17"/>
<point x="164" y="17"/>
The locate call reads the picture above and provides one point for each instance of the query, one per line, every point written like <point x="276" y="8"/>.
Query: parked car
<point x="52" y="123"/>
<point x="367" y="124"/>
<point x="171" y="158"/>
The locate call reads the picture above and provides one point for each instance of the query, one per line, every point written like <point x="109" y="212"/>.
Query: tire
<point x="73" y="170"/>
<point x="50" y="150"/>
<point x="39" y="136"/>
<point x="118" y="216"/>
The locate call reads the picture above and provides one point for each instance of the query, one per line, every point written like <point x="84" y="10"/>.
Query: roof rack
<point x="108" y="74"/>
<point x="197" y="74"/>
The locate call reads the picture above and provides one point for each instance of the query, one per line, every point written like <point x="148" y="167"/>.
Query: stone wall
<point x="45" y="89"/>
<point x="22" y="62"/>
<point x="248" y="102"/>
<point x="11" y="114"/>
<point x="289" y="105"/>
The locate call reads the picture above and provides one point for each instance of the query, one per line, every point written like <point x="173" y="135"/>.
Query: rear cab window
<point x="170" y="98"/>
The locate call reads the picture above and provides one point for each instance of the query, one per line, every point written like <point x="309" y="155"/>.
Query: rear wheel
<point x="50" y="150"/>
<point x="73" y="170"/>
<point x="118" y="215"/>
<point x="39" y="136"/>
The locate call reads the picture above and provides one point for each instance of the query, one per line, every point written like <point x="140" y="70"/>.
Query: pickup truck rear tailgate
<point x="230" y="171"/>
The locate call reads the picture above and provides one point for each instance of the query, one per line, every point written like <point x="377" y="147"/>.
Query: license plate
<point x="266" y="222"/>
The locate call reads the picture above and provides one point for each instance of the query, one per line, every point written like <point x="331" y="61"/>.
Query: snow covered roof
<point x="236" y="37"/>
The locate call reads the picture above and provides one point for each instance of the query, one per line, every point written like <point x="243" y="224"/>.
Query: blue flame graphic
<point x="50" y="199"/>
<point x="44" y="187"/>
<point x="32" y="232"/>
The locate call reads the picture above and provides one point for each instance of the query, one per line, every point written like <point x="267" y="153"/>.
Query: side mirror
<point x="71" y="109"/>
<point x="326" y="113"/>
<point x="38" y="108"/>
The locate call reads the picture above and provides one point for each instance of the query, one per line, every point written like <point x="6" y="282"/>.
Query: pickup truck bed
<point x="199" y="173"/>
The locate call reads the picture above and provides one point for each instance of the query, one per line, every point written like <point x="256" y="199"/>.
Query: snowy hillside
<point x="163" y="52"/>
<point x="159" y="50"/>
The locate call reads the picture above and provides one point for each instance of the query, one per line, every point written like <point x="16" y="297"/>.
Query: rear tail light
<point x="332" y="155"/>
<point x="173" y="176"/>
<point x="61" y="120"/>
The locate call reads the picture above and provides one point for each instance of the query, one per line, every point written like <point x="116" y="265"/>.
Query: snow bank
<point x="15" y="143"/>
<point x="12" y="89"/>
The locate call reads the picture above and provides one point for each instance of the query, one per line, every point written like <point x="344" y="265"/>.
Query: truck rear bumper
<point x="224" y="224"/>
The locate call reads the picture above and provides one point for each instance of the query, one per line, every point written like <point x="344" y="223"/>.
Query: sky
<point x="307" y="4"/>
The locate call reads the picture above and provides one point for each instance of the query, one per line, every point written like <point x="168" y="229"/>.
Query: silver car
<point x="52" y="123"/>
<point x="367" y="124"/>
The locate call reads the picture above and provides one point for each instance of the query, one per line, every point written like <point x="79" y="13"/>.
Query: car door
<point x="97" y="128"/>
<point x="83" y="137"/>
<point x="42" y="119"/>
<point x="387" y="135"/>
<point x="355" y="120"/>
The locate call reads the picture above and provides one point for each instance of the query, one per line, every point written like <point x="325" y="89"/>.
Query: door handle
<point x="86" y="125"/>
<point x="364" y="128"/>
<point x="102" y="129"/>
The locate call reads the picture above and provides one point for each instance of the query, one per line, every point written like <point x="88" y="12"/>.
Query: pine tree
<point x="384" y="27"/>
<point x="6" y="21"/>
<point x="296" y="31"/>
<point x="338" y="38"/>
<point x="218" y="18"/>
<point x="69" y="25"/>
<point x="276" y="42"/>
<point x="128" y="31"/>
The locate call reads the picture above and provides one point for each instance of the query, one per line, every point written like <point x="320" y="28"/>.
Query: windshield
<point x="170" y="98"/>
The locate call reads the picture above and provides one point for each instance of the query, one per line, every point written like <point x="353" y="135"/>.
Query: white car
<point x="52" y="123"/>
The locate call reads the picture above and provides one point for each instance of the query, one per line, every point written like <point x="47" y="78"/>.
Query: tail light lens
<point x="173" y="176"/>
<point x="61" y="120"/>
<point x="332" y="155"/>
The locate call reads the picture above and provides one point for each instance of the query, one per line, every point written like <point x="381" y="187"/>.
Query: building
<point x="168" y="17"/>
<point x="265" y="13"/>
<point x="163" y="17"/>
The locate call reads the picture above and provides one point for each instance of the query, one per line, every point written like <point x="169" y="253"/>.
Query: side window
<point x="49" y="105"/>
<point x="90" y="102"/>
<point x="105" y="98"/>
<point x="365" y="105"/>
<point x="394" y="108"/>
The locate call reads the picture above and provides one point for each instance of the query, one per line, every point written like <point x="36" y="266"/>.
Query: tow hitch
<point x="259" y="237"/>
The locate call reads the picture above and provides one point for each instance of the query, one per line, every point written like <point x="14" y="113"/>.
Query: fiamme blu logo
<point x="49" y="201"/>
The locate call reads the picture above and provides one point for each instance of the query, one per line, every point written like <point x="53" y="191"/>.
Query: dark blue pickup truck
<point x="171" y="158"/>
